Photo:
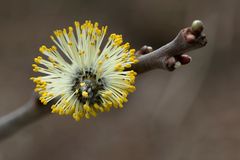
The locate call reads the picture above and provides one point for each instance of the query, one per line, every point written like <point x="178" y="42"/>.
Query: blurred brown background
<point x="189" y="114"/>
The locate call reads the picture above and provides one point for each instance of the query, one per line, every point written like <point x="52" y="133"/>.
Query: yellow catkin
<point x="77" y="51"/>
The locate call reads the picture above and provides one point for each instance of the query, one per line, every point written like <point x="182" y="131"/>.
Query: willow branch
<point x="188" y="39"/>
<point x="166" y="57"/>
<point x="30" y="112"/>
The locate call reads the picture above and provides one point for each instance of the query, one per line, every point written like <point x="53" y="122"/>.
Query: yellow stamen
<point x="85" y="94"/>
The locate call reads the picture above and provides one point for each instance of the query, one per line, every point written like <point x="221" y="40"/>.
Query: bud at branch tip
<point x="197" y="26"/>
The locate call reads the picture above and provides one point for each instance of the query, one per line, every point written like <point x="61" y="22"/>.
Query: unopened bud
<point x="197" y="26"/>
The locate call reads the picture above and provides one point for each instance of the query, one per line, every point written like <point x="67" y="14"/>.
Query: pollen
<point x="85" y="94"/>
<point x="82" y="84"/>
<point x="83" y="75"/>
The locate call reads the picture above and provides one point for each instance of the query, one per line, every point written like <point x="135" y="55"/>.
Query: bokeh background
<point x="189" y="114"/>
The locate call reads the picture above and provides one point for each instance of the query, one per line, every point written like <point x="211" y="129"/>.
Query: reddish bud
<point x="184" y="59"/>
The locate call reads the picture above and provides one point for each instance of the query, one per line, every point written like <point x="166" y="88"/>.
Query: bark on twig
<point x="24" y="115"/>
<point x="188" y="39"/>
<point x="165" y="57"/>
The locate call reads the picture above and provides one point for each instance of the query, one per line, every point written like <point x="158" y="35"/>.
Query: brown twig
<point x="26" y="114"/>
<point x="167" y="57"/>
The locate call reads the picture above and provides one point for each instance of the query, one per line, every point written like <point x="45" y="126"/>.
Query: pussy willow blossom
<point x="85" y="77"/>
